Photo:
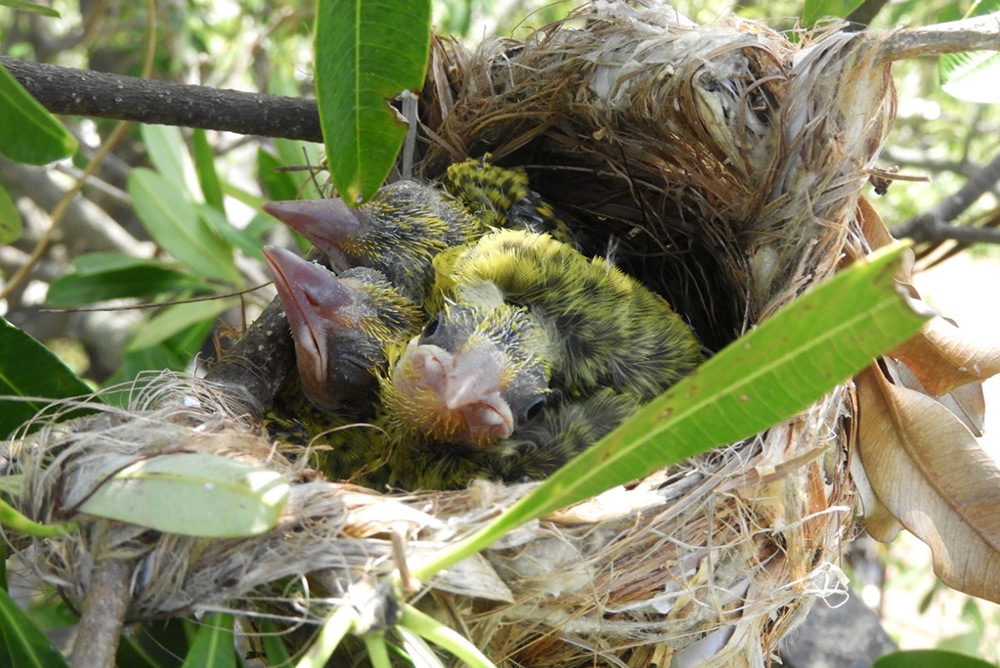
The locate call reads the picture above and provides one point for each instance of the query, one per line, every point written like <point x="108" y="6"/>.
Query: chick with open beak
<point x="340" y="325"/>
<point x="471" y="377"/>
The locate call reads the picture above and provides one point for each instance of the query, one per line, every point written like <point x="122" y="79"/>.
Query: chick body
<point x="606" y="329"/>
<point x="532" y="452"/>
<point x="502" y="197"/>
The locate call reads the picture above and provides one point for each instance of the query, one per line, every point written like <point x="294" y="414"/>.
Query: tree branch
<point x="63" y="90"/>
<point x="979" y="33"/>
<point x="934" y="223"/>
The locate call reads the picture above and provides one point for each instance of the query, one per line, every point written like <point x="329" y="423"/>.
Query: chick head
<point x="340" y="325"/>
<point x="472" y="376"/>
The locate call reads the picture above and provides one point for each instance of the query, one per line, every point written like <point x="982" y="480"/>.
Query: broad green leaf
<point x="174" y="223"/>
<point x="32" y="7"/>
<point x="814" y="10"/>
<point x="204" y="165"/>
<point x="930" y="658"/>
<point x="193" y="494"/>
<point x="168" y="153"/>
<point x="367" y="54"/>
<point x="149" y="279"/>
<point x="10" y="218"/>
<point x="176" y="318"/>
<point x="29" y="133"/>
<point x="213" y="644"/>
<point x="22" y="643"/>
<point x="766" y="376"/>
<point x="29" y="369"/>
<point x="278" y="185"/>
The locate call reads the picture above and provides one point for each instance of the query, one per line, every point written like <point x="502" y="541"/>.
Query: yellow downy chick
<point x="470" y="378"/>
<point x="606" y="328"/>
<point x="502" y="197"/>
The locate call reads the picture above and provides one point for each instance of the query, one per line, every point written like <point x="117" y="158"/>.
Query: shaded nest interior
<point x="721" y="165"/>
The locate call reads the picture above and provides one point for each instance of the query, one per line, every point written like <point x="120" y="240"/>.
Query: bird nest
<point x="722" y="164"/>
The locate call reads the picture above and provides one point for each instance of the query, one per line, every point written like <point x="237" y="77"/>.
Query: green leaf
<point x="193" y="494"/>
<point x="22" y="643"/>
<point x="10" y="219"/>
<point x="971" y="76"/>
<point x="29" y="369"/>
<point x="176" y="318"/>
<point x="204" y="166"/>
<point x="367" y="53"/>
<point x="168" y="153"/>
<point x="234" y="236"/>
<point x="278" y="185"/>
<point x="29" y="133"/>
<point x="766" y="376"/>
<point x="930" y="658"/>
<point x="213" y="644"/>
<point x="814" y="10"/>
<point x="32" y="7"/>
<point x="270" y="638"/>
<point x="148" y="279"/>
<point x="174" y="223"/>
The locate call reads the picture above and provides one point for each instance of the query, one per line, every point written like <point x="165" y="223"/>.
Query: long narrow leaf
<point x="174" y="223"/>
<point x="213" y="644"/>
<point x="208" y="177"/>
<point x="766" y="376"/>
<point x="367" y="54"/>
<point x="22" y="643"/>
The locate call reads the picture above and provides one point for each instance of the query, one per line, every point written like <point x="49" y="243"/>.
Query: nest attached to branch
<point x="725" y="163"/>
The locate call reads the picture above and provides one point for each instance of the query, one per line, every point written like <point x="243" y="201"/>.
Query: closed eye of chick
<point x="470" y="378"/>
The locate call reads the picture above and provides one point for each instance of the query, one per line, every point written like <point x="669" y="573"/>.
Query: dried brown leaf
<point x="943" y="358"/>
<point x="929" y="471"/>
<point x="967" y="402"/>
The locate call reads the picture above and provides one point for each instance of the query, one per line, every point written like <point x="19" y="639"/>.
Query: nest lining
<point x="725" y="163"/>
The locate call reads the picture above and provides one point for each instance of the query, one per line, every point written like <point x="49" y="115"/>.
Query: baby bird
<point x="605" y="329"/>
<point x="470" y="378"/>
<point x="406" y="224"/>
<point x="502" y="197"/>
<point x="398" y="232"/>
<point x="340" y="325"/>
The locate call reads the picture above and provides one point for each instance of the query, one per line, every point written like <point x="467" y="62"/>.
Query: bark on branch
<point x="63" y="90"/>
